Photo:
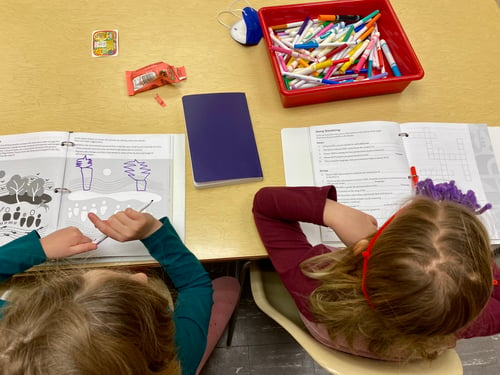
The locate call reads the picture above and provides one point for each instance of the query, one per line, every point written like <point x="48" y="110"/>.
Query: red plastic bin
<point x="390" y="29"/>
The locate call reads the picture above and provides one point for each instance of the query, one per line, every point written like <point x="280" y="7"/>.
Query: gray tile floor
<point x="260" y="346"/>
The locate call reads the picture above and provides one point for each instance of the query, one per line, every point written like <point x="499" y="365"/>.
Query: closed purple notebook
<point x="221" y="139"/>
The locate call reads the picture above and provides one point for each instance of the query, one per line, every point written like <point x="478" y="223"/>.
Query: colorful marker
<point x="338" y="18"/>
<point x="380" y="58"/>
<point x="390" y="58"/>
<point x="310" y="78"/>
<point x="366" y="53"/>
<point x="301" y="29"/>
<point x="324" y="50"/>
<point x="365" y="19"/>
<point x="276" y="39"/>
<point x="369" y="70"/>
<point x="292" y="53"/>
<point x="343" y="77"/>
<point x="365" y="35"/>
<point x="361" y="71"/>
<point x="281" y="62"/>
<point x="322" y="45"/>
<point x="286" y="25"/>
<point x="413" y="176"/>
<point x="376" y="76"/>
<point x="373" y="20"/>
<point x="353" y="55"/>
<point x="334" y="51"/>
<point x="322" y="30"/>
<point x="316" y="66"/>
<point x="348" y="33"/>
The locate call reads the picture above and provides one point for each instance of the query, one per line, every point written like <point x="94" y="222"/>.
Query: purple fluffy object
<point x="450" y="191"/>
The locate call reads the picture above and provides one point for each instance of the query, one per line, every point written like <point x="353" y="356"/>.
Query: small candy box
<point x="104" y="43"/>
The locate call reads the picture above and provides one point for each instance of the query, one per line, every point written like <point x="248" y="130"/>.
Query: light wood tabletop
<point x="50" y="81"/>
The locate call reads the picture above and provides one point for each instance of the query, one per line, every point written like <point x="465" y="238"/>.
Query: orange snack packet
<point x="153" y="76"/>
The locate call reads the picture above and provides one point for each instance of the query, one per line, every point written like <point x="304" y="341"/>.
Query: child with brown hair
<point x="407" y="290"/>
<point x="102" y="321"/>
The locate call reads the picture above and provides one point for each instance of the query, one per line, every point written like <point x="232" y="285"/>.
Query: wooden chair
<point x="273" y="299"/>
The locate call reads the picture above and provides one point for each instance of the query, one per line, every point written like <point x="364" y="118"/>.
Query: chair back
<point x="274" y="300"/>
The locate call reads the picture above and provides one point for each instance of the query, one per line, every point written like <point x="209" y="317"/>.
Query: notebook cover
<point x="221" y="138"/>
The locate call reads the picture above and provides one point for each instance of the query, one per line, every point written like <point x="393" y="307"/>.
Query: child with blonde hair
<point x="102" y="321"/>
<point x="407" y="290"/>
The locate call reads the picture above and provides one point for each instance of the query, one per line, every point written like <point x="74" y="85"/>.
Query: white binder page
<point x="443" y="152"/>
<point x="366" y="163"/>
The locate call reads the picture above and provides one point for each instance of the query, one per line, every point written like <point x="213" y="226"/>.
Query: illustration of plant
<point x="35" y="188"/>
<point x="137" y="171"/>
<point x="86" y="171"/>
<point x="29" y="189"/>
<point x="17" y="186"/>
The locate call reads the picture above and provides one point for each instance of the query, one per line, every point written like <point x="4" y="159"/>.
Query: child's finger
<point x="83" y="247"/>
<point x="107" y="227"/>
<point x="93" y="218"/>
<point x="133" y="214"/>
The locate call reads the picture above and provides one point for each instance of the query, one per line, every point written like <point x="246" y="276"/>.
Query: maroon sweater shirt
<point x="277" y="212"/>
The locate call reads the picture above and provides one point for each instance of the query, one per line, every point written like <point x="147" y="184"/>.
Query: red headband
<point x="366" y="255"/>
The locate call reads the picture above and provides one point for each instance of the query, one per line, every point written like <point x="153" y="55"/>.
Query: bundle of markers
<point x="330" y="50"/>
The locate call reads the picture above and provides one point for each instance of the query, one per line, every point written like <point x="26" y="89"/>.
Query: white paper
<point x="366" y="163"/>
<point x="31" y="171"/>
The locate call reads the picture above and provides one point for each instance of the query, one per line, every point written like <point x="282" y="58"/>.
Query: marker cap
<point x="395" y="70"/>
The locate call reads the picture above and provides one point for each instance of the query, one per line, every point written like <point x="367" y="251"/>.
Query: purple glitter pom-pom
<point x="450" y="191"/>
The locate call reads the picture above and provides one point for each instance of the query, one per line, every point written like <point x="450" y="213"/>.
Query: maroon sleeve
<point x="277" y="212"/>
<point x="488" y="323"/>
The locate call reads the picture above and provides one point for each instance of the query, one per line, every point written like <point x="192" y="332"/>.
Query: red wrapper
<point x="153" y="76"/>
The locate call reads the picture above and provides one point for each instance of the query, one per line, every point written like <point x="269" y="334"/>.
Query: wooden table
<point x="49" y="81"/>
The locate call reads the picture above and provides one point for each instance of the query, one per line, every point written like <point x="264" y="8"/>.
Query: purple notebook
<point x="221" y="139"/>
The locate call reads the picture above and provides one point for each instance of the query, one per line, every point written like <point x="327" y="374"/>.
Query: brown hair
<point x="71" y="324"/>
<point x="429" y="275"/>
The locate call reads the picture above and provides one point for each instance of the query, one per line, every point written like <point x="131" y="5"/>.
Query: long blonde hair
<point x="68" y="324"/>
<point x="429" y="275"/>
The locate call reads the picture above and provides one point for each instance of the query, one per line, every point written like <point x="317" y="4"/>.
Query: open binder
<point x="51" y="180"/>
<point x="373" y="164"/>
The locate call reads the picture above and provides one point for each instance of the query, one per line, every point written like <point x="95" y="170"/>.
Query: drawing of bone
<point x="86" y="170"/>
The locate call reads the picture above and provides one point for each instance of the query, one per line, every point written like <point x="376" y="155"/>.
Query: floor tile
<point x="277" y="359"/>
<point x="232" y="360"/>
<point x="253" y="327"/>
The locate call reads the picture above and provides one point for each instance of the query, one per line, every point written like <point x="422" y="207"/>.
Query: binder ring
<point x="62" y="190"/>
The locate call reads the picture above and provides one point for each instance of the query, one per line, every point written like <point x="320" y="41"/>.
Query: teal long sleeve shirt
<point x="193" y="305"/>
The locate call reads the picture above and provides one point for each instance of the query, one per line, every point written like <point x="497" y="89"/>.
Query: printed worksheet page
<point x="443" y="152"/>
<point x="107" y="173"/>
<point x="462" y="153"/>
<point x="366" y="163"/>
<point x="31" y="175"/>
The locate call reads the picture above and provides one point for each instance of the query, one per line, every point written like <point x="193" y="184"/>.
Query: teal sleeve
<point x="19" y="255"/>
<point x="194" y="300"/>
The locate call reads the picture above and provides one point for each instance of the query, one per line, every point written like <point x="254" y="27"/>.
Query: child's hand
<point x="66" y="242"/>
<point x="350" y="224"/>
<point x="127" y="225"/>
